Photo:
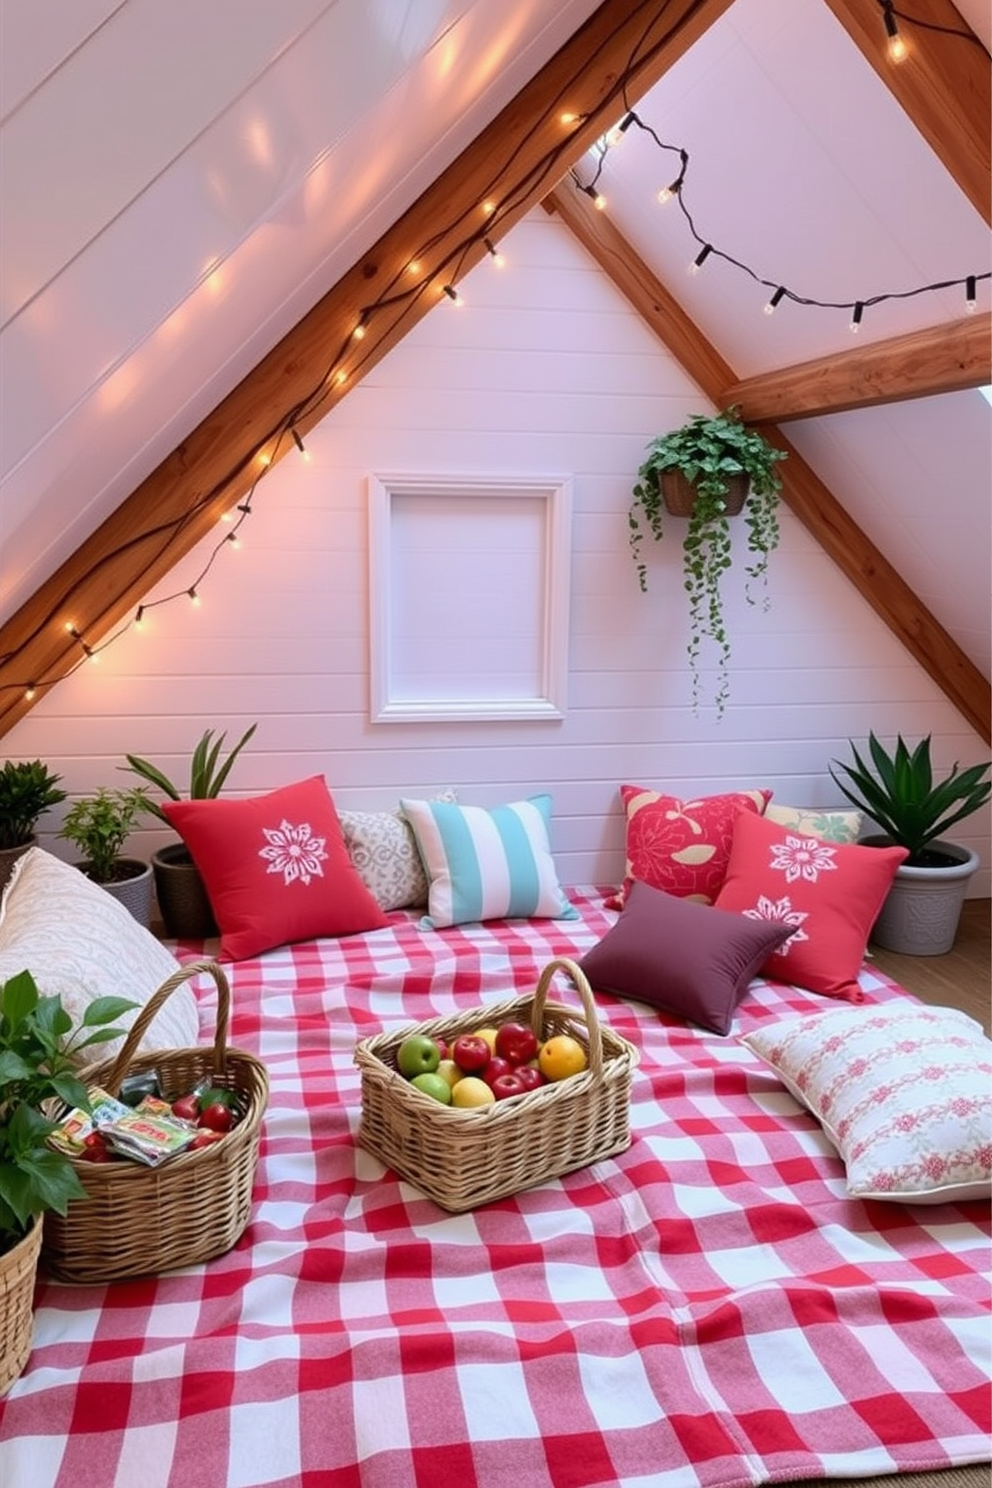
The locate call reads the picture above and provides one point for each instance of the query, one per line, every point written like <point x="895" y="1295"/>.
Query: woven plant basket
<point x="680" y="496"/>
<point x="136" y="1220"/>
<point x="18" y="1268"/>
<point x="464" y="1158"/>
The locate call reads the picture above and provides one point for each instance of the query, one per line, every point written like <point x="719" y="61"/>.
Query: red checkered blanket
<point x="708" y="1308"/>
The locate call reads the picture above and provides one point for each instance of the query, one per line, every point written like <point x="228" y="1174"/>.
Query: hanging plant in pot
<point x="182" y="897"/>
<point x="897" y="790"/>
<point x="709" y="469"/>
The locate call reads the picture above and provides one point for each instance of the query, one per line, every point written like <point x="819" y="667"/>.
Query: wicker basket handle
<point x="578" y="976"/>
<point x="138" y="1029"/>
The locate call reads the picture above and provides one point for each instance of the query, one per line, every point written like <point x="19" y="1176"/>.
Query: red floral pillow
<point x="829" y="892"/>
<point x="276" y="868"/>
<point x="680" y="846"/>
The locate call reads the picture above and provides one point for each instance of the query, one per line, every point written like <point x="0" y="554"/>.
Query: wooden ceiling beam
<point x="944" y="84"/>
<point x="943" y="359"/>
<point x="510" y="165"/>
<point x="885" y="590"/>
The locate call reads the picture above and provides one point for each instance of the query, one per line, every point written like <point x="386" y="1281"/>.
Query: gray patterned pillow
<point x="383" y="848"/>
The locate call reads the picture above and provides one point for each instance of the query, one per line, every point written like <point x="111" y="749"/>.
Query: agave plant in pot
<point x="897" y="789"/>
<point x="39" y="1054"/>
<point x="709" y="469"/>
<point x="182" y="897"/>
<point x="27" y="789"/>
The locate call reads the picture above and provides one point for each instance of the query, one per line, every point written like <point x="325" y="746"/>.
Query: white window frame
<point x="390" y="699"/>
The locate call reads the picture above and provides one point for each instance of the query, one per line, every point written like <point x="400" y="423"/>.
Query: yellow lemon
<point x="489" y="1034"/>
<point x="561" y="1056"/>
<point x="448" y="1070"/>
<point x="471" y="1092"/>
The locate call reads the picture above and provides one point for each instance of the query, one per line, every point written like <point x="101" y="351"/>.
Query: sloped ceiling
<point x="183" y="183"/>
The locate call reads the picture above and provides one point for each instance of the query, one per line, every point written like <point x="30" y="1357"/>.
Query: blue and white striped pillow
<point x="487" y="864"/>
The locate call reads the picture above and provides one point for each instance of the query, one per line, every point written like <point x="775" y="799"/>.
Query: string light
<point x="361" y="329"/>
<point x="859" y="310"/>
<point x="453" y="294"/>
<point x="700" y="258"/>
<point x="775" y="300"/>
<point x="970" y="302"/>
<point x="193" y="595"/>
<point x="494" y="252"/>
<point x="897" y="48"/>
<point x="297" y="440"/>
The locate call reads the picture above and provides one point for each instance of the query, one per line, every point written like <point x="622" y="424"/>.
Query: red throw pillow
<point x="681" y="846"/>
<point x="830" y="892"/>
<point x="276" y="868"/>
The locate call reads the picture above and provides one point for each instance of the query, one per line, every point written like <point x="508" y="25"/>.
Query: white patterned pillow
<point x="383" y="849"/>
<point x="488" y="865"/>
<point x="903" y="1091"/>
<point x="810" y="821"/>
<point x="79" y="943"/>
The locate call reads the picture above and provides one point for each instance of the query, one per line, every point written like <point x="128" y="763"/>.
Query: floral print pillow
<point x="830" y="893"/>
<point x="681" y="846"/>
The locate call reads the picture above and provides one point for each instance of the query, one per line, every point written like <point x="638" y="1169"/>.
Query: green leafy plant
<point x="100" y="824"/>
<point x="207" y="772"/>
<point x="27" y="789"/>
<point x="39" y="1055"/>
<point x="897" y="790"/>
<point x="709" y="451"/>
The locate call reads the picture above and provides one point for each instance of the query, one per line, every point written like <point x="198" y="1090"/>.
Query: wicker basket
<point x="464" y="1158"/>
<point x="680" y="495"/>
<point x="136" y="1220"/>
<point x="18" y="1268"/>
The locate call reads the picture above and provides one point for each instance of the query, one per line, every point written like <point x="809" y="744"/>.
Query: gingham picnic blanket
<point x="705" y="1310"/>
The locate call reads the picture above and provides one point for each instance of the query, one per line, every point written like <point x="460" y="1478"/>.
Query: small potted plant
<point x="896" y="788"/>
<point x="39" y="1052"/>
<point x="99" y="825"/>
<point x="27" y="789"/>
<point x="179" y="889"/>
<point x="709" y="469"/>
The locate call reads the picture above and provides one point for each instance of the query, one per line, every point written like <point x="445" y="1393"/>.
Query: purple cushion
<point x="692" y="959"/>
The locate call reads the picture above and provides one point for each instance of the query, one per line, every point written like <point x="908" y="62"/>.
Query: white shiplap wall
<point x="544" y="370"/>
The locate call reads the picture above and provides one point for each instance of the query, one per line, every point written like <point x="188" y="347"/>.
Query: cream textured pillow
<point x="79" y="943"/>
<point x="810" y="821"/>
<point x="383" y="848"/>
<point x="903" y="1091"/>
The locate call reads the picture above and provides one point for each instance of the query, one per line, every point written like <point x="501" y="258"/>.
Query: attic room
<point x="335" y="335"/>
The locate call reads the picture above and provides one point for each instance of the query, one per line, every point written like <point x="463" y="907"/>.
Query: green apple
<point x="434" y="1085"/>
<point x="417" y="1055"/>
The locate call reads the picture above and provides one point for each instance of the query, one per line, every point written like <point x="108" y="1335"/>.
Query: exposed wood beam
<point x="944" y="84"/>
<point x="803" y="492"/>
<point x="512" y="163"/>
<point x="943" y="359"/>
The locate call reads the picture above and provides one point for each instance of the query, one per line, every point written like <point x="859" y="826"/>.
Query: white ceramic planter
<point x="923" y="907"/>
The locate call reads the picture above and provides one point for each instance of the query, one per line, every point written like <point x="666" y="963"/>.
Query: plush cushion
<point x="810" y="821"/>
<point x="681" y="846"/>
<point x="904" y="1093"/>
<point x="80" y="943"/>
<point x="829" y="893"/>
<point x="275" y="867"/>
<point x="487" y="865"/>
<point x="382" y="847"/>
<point x="693" y="959"/>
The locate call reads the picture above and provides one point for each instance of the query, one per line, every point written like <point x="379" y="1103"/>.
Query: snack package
<point x="69" y="1136"/>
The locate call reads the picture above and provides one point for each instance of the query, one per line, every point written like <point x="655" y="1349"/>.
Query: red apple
<point x="529" y="1076"/>
<point x="506" y="1085"/>
<point x="470" y="1053"/>
<point x="495" y="1068"/>
<point x="516" y="1042"/>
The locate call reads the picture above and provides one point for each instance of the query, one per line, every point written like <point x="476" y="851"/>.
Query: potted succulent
<point x="99" y="825"/>
<point x="896" y="788"/>
<point x="27" y="789"/>
<point x="179" y="889"/>
<point x="709" y="469"/>
<point x="39" y="1052"/>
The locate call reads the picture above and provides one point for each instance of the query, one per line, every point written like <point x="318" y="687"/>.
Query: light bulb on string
<point x="194" y="597"/>
<point x="896" y="48"/>
<point x="970" y="292"/>
<point x="494" y="253"/>
<point x="775" y="300"/>
<point x="700" y="258"/>
<point x="298" y="441"/>
<point x="859" y="311"/>
<point x="453" y="294"/>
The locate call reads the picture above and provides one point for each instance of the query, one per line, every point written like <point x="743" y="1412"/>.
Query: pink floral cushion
<point x="681" y="846"/>
<point x="904" y="1092"/>
<point x="829" y="892"/>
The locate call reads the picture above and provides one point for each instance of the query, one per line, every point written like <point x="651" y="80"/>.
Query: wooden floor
<point x="962" y="978"/>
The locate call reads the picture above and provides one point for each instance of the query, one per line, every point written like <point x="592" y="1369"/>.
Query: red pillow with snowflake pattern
<point x="829" y="892"/>
<point x="681" y="846"/>
<point x="276" y="868"/>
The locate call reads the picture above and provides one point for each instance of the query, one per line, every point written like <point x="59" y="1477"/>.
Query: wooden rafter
<point x="513" y="163"/>
<point x="851" y="549"/>
<point x="944" y="85"/>
<point x="943" y="359"/>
